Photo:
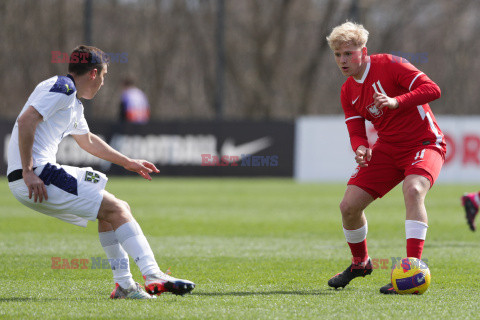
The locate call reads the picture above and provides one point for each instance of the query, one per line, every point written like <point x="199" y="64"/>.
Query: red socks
<point x="415" y="248"/>
<point x="359" y="251"/>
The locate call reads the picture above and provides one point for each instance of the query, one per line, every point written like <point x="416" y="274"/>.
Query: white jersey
<point x="55" y="99"/>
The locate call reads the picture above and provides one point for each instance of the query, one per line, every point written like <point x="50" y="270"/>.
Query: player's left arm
<point x="421" y="89"/>
<point x="99" y="148"/>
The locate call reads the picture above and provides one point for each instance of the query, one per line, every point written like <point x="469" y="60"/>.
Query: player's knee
<point x="126" y="205"/>
<point x="119" y="215"/>
<point x="113" y="209"/>
<point x="414" y="191"/>
<point x="343" y="206"/>
<point x="122" y="209"/>
<point x="349" y="209"/>
<point x="125" y="215"/>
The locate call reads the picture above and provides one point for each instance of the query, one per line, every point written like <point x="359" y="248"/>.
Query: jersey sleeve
<point x="355" y="123"/>
<point x="421" y="89"/>
<point x="81" y="126"/>
<point x="48" y="103"/>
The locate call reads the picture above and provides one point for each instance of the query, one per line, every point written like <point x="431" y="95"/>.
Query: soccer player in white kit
<point x="77" y="195"/>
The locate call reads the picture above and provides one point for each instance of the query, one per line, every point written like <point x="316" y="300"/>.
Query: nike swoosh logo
<point x="230" y="149"/>
<point x="353" y="102"/>
<point x="416" y="162"/>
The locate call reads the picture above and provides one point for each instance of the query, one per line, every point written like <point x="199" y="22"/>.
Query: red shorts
<point x="390" y="165"/>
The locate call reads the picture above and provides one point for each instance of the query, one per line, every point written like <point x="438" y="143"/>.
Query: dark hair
<point x="86" y="58"/>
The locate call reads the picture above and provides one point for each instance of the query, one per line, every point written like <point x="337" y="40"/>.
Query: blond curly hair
<point x="348" y="32"/>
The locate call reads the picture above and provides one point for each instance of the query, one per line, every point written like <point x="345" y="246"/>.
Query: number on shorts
<point x="419" y="155"/>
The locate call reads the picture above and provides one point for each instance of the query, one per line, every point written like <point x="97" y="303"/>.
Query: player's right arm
<point x="27" y="125"/>
<point x="99" y="148"/>
<point x="356" y="130"/>
<point x="363" y="155"/>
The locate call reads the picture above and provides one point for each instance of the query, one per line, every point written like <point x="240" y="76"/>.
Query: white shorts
<point x="73" y="208"/>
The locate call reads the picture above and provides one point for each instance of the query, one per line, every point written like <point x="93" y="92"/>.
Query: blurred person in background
<point x="134" y="106"/>
<point x="393" y="95"/>
<point x="77" y="195"/>
<point x="470" y="203"/>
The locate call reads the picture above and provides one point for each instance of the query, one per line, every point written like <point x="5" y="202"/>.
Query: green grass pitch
<point x="256" y="248"/>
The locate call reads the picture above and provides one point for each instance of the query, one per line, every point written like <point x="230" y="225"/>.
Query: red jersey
<point x="411" y="124"/>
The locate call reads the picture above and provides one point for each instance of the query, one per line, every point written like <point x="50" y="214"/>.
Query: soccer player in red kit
<point x="394" y="95"/>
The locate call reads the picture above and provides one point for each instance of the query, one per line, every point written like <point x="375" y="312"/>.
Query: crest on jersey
<point x="374" y="111"/>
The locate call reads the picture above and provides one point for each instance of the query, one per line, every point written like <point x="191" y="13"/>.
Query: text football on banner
<point x="188" y="148"/>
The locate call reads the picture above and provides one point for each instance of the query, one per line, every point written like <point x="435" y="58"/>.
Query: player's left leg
<point x="415" y="188"/>
<point x="422" y="167"/>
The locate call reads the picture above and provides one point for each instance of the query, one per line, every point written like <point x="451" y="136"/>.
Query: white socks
<point x="356" y="236"/>
<point x="131" y="237"/>
<point x="118" y="259"/>
<point x="415" y="229"/>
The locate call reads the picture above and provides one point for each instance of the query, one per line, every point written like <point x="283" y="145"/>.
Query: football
<point x="410" y="276"/>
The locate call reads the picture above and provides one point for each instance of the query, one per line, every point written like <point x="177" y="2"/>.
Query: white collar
<point x="365" y="73"/>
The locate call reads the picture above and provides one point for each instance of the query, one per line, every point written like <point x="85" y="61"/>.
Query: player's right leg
<point x="118" y="259"/>
<point x="355" y="229"/>
<point x="470" y="203"/>
<point x="130" y="236"/>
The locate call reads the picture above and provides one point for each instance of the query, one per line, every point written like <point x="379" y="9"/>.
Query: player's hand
<point x="382" y="101"/>
<point x="363" y="155"/>
<point x="142" y="167"/>
<point x="36" y="187"/>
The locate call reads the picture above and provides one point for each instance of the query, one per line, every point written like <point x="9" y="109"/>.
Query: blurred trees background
<point x="277" y="62"/>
